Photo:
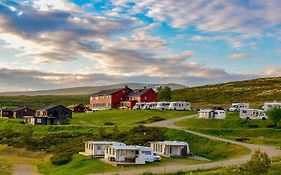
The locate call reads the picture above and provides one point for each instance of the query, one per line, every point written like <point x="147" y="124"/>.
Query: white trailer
<point x="139" y="105"/>
<point x="163" y="105"/>
<point x="150" y="105"/>
<point x="211" y="113"/>
<point x="269" y="105"/>
<point x="239" y="106"/>
<point x="149" y="154"/>
<point x="250" y="114"/>
<point x="179" y="105"/>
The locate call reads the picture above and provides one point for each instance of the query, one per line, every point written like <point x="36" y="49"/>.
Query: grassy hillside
<point x="36" y="102"/>
<point x="88" y="89"/>
<point x="256" y="92"/>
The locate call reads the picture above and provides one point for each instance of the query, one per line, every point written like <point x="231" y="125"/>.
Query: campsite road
<point x="270" y="150"/>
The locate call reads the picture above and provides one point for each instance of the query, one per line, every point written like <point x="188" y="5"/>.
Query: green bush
<point x="61" y="159"/>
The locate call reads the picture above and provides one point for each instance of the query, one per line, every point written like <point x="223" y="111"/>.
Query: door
<point x="99" y="151"/>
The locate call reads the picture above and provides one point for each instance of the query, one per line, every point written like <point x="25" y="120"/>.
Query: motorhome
<point x="269" y="105"/>
<point x="212" y="113"/>
<point x="139" y="105"/>
<point x="239" y="106"/>
<point x="150" y="105"/>
<point x="163" y="105"/>
<point x="250" y="114"/>
<point x="179" y="105"/>
<point x="149" y="154"/>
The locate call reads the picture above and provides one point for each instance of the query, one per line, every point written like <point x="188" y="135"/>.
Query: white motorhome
<point x="239" y="106"/>
<point x="139" y="105"/>
<point x="269" y="105"/>
<point x="250" y="114"/>
<point x="150" y="105"/>
<point x="149" y="154"/>
<point x="211" y="113"/>
<point x="163" y="105"/>
<point x="179" y="105"/>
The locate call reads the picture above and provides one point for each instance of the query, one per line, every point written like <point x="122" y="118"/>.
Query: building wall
<point x="149" y="96"/>
<point x="101" y="101"/>
<point x="23" y="112"/>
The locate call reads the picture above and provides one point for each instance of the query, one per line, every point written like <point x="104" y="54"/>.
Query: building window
<point x="39" y="120"/>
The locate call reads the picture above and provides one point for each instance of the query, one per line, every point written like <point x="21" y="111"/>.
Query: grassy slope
<point x="123" y="118"/>
<point x="254" y="91"/>
<point x="254" y="131"/>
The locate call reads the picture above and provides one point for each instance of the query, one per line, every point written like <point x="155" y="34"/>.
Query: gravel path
<point x="24" y="169"/>
<point x="270" y="150"/>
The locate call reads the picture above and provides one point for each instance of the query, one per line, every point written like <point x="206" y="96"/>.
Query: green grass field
<point x="253" y="131"/>
<point x="123" y="118"/>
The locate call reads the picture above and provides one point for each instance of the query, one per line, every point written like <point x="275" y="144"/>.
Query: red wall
<point x="118" y="96"/>
<point x="149" y="96"/>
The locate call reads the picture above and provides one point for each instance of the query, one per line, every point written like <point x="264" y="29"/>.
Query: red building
<point x="139" y="95"/>
<point x="108" y="99"/>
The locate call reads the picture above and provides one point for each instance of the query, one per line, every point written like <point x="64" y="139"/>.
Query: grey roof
<point x="138" y="92"/>
<point x="107" y="92"/>
<point x="172" y="143"/>
<point x="124" y="147"/>
<point x="52" y="106"/>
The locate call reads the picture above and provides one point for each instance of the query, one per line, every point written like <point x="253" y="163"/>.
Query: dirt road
<point x="270" y="150"/>
<point x="24" y="169"/>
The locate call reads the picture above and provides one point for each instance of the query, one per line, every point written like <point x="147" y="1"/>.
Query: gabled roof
<point x="52" y="106"/>
<point x="138" y="92"/>
<point x="19" y="109"/>
<point x="107" y="92"/>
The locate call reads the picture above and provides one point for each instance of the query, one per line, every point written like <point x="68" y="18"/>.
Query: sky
<point x="49" y="44"/>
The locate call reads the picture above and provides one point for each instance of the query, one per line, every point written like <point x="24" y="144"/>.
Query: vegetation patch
<point x="151" y="120"/>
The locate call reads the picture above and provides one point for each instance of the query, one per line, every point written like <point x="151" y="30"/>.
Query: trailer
<point x="179" y="105"/>
<point x="250" y="114"/>
<point x="239" y="106"/>
<point x="150" y="105"/>
<point x="139" y="105"/>
<point x="269" y="105"/>
<point x="212" y="114"/>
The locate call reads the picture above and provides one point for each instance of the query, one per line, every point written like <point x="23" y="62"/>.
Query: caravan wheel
<point x="263" y="118"/>
<point x="248" y="118"/>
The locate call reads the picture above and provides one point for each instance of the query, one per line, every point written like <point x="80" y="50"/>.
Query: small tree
<point x="164" y="94"/>
<point x="275" y="115"/>
<point x="258" y="165"/>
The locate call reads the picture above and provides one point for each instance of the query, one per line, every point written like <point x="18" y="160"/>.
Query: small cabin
<point x="80" y="108"/>
<point x="22" y="112"/>
<point x="96" y="148"/>
<point x="124" y="155"/>
<point x="171" y="148"/>
<point x="50" y="115"/>
<point x="6" y="113"/>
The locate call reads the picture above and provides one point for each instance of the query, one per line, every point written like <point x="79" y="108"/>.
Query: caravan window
<point x="244" y="111"/>
<point x="146" y="152"/>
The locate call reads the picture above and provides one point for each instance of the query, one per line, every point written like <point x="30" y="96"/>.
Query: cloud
<point x="238" y="56"/>
<point x="272" y="71"/>
<point x="209" y="15"/>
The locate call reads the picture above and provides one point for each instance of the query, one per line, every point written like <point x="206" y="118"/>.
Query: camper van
<point x="162" y="105"/>
<point x="250" y="114"/>
<point x="212" y="113"/>
<point x="150" y="156"/>
<point x="238" y="106"/>
<point x="150" y="105"/>
<point x="269" y="105"/>
<point x="179" y="105"/>
<point x="139" y="105"/>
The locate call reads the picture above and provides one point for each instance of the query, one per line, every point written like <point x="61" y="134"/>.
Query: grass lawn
<point x="253" y="131"/>
<point x="123" y="118"/>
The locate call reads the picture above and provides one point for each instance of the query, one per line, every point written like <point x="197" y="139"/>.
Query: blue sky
<point x="46" y="44"/>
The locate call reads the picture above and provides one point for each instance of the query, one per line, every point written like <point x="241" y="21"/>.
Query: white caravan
<point x="250" y="114"/>
<point x="179" y="105"/>
<point x="163" y="105"/>
<point x="269" y="105"/>
<point x="150" y="105"/>
<point x="139" y="105"/>
<point x="150" y="156"/>
<point x="211" y="113"/>
<point x="239" y="106"/>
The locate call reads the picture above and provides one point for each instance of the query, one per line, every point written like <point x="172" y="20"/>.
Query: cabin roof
<point x="107" y="92"/>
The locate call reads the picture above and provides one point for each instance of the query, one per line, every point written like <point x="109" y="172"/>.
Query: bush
<point x="61" y="159"/>
<point x="109" y="123"/>
<point x="253" y="126"/>
<point x="242" y="139"/>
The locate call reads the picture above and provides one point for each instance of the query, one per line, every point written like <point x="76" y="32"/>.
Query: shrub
<point x="109" y="123"/>
<point x="61" y="159"/>
<point x="242" y="139"/>
<point x="253" y="126"/>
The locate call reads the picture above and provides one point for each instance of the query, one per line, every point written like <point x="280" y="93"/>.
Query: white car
<point x="157" y="158"/>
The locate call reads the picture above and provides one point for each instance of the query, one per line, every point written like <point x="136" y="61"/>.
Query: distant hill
<point x="256" y="92"/>
<point x="87" y="90"/>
